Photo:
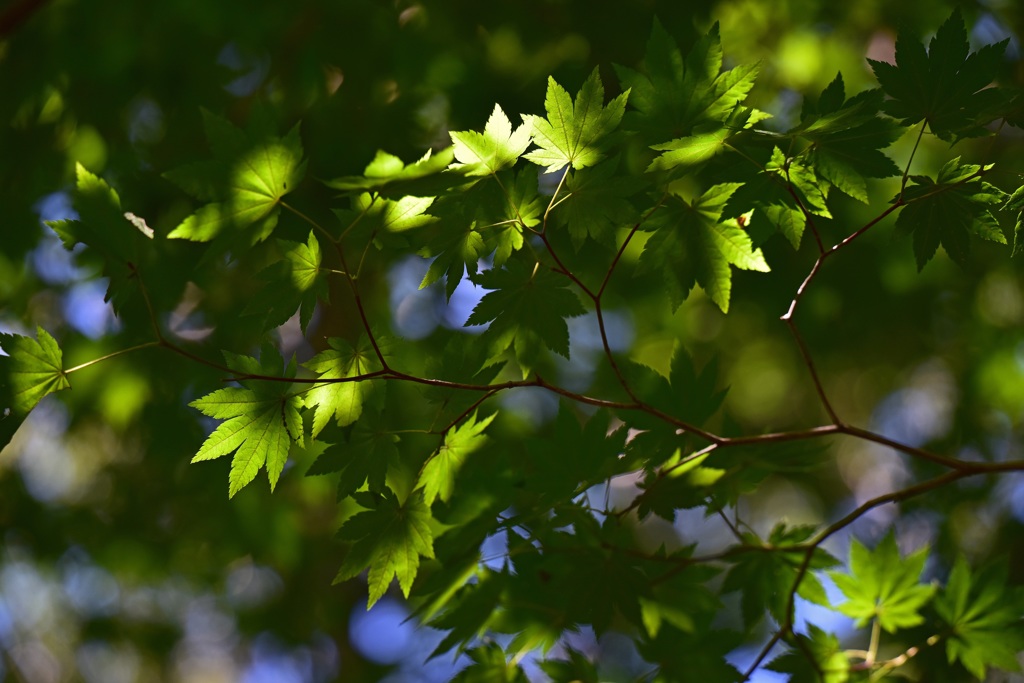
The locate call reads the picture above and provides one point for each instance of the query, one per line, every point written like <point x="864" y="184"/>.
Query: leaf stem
<point x="114" y="354"/>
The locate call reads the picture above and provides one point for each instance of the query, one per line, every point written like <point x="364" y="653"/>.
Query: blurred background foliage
<point x="120" y="562"/>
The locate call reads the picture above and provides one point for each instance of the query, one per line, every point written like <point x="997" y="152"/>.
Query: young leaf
<point x="882" y="585"/>
<point x="947" y="86"/>
<point x="526" y="308"/>
<point x="341" y="400"/>
<point x="388" y="539"/>
<point x="693" y="245"/>
<point x="258" y="173"/>
<point x="260" y="424"/>
<point x="572" y="133"/>
<point x="496" y="148"/>
<point x="948" y="209"/>
<point x="984" y="614"/>
<point x="30" y="370"/>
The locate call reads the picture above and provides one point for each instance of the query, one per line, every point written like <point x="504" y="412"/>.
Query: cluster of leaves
<point x="679" y="172"/>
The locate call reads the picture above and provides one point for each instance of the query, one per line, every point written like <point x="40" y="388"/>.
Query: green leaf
<point x="675" y="95"/>
<point x="363" y="458"/>
<point x="389" y="176"/>
<point x="847" y="138"/>
<point x="30" y="370"/>
<point x="573" y="132"/>
<point x="258" y="173"/>
<point x="596" y="203"/>
<point x="576" y="669"/>
<point x="687" y="153"/>
<point x="947" y="86"/>
<point x="766" y="578"/>
<point x="829" y="659"/>
<point x="341" y="400"/>
<point x="1016" y="203"/>
<point x="693" y="245"/>
<point x="389" y="540"/>
<point x="496" y="148"/>
<point x="527" y="308"/>
<point x="948" y="210"/>
<point x="114" y="239"/>
<point x="490" y="665"/>
<point x="984" y="614"/>
<point x="439" y="472"/>
<point x="294" y="282"/>
<point x="881" y="585"/>
<point x="259" y="424"/>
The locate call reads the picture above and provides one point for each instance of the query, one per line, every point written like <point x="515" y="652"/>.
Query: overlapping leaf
<point x="830" y="662"/>
<point x="389" y="176"/>
<point x="114" y="239"/>
<point x="693" y="245"/>
<point x="526" y="309"/>
<point x="597" y="202"/>
<point x="438" y="475"/>
<point x="245" y="182"/>
<point x="340" y="400"/>
<point x="294" y="282"/>
<point x="847" y="137"/>
<point x="948" y="210"/>
<point x="766" y="579"/>
<point x="389" y="539"/>
<point x="261" y="420"/>
<point x="574" y="131"/>
<point x="676" y="94"/>
<point x="363" y="458"/>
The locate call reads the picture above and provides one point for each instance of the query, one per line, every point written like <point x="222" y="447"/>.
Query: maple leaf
<point x="766" y="579"/>
<point x="260" y="423"/>
<point x="389" y="539"/>
<point x="1015" y="202"/>
<point x="438" y="475"/>
<point x="676" y="95"/>
<point x="768" y="193"/>
<point x="831" y="664"/>
<point x="363" y="458"/>
<point x="596" y="203"/>
<point x="984" y="614"/>
<point x="947" y="86"/>
<point x="110" y="234"/>
<point x="294" y="282"/>
<point x="881" y="585"/>
<point x="847" y="138"/>
<point x="341" y="400"/>
<point x="389" y="176"/>
<point x="31" y="369"/>
<point x="573" y="131"/>
<point x="498" y="147"/>
<point x="528" y="306"/>
<point x="693" y="245"/>
<point x="948" y="210"/>
<point x="260" y="171"/>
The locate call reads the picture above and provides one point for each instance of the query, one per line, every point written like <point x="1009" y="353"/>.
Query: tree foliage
<point x="664" y="189"/>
